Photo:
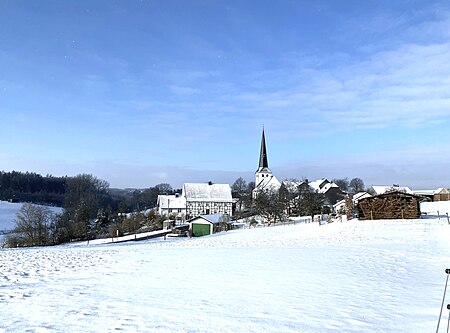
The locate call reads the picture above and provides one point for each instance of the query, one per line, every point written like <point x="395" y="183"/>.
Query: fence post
<point x="371" y="215"/>
<point x="448" y="219"/>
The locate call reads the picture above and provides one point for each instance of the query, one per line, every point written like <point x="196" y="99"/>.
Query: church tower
<point x="263" y="171"/>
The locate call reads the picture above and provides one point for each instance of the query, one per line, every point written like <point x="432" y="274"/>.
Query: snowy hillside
<point x="8" y="213"/>
<point x="356" y="276"/>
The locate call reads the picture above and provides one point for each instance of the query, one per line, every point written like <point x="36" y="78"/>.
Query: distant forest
<point x="32" y="187"/>
<point x="49" y="190"/>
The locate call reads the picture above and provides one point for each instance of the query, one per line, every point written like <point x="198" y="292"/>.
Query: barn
<point x="390" y="205"/>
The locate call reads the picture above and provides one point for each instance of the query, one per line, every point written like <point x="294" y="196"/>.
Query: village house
<point x="172" y="205"/>
<point x="196" y="199"/>
<point x="207" y="198"/>
<point x="331" y="191"/>
<point x="440" y="194"/>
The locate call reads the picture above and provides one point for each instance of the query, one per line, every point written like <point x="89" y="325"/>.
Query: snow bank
<point x="356" y="276"/>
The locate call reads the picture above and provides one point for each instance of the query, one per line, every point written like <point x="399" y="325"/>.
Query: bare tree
<point x="33" y="226"/>
<point x="240" y="189"/>
<point x="343" y="184"/>
<point x="164" y="188"/>
<point x="240" y="185"/>
<point x="356" y="185"/>
<point x="311" y="203"/>
<point x="269" y="205"/>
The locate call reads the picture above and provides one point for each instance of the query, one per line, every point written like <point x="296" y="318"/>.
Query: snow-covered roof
<point x="322" y="185"/>
<point x="338" y="205"/>
<point x="318" y="184"/>
<point x="292" y="185"/>
<point x="207" y="192"/>
<point x="211" y="218"/>
<point x="360" y="195"/>
<point x="440" y="190"/>
<point x="270" y="182"/>
<point x="425" y="192"/>
<point x="383" y="189"/>
<point x="325" y="188"/>
<point x="171" y="201"/>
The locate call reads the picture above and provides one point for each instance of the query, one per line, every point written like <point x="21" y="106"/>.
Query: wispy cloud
<point x="406" y="86"/>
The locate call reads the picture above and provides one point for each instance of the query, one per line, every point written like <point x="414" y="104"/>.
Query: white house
<point x="331" y="190"/>
<point x="172" y="204"/>
<point x="207" y="198"/>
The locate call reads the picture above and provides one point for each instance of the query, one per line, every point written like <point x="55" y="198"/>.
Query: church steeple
<point x="263" y="163"/>
<point x="263" y="171"/>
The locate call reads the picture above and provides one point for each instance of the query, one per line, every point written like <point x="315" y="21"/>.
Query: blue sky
<point x="143" y="92"/>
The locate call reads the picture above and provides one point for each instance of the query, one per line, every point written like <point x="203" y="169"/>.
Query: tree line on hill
<point x="32" y="187"/>
<point x="90" y="208"/>
<point x="50" y="190"/>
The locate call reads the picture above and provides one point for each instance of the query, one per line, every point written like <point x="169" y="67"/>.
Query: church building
<point x="264" y="179"/>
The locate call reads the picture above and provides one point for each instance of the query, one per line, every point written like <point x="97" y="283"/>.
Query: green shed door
<point x="200" y="229"/>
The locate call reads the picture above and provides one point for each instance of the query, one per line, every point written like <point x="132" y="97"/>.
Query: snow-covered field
<point x="437" y="208"/>
<point x="355" y="276"/>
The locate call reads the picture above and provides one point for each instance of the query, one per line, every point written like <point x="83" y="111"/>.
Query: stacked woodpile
<point x="392" y="205"/>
